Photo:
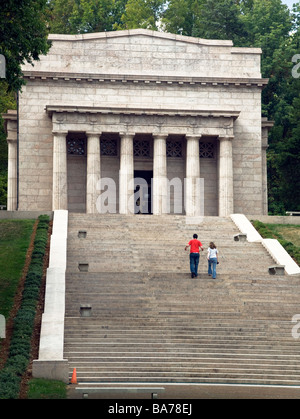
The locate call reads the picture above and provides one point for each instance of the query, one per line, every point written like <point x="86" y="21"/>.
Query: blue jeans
<point x="212" y="263"/>
<point x="194" y="261"/>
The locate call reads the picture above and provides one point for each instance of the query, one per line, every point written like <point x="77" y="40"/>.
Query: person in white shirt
<point x="212" y="257"/>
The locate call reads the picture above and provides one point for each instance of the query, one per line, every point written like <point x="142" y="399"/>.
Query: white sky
<point x="289" y="3"/>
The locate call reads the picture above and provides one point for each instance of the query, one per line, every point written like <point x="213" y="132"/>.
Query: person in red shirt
<point x="195" y="246"/>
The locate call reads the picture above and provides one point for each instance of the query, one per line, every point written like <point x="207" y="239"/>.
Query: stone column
<point x="225" y="177"/>
<point x="264" y="180"/>
<point x="11" y="127"/>
<point x="159" y="194"/>
<point x="93" y="171"/>
<point x="60" y="185"/>
<point x="266" y="125"/>
<point x="192" y="181"/>
<point x="126" y="175"/>
<point x="12" y="175"/>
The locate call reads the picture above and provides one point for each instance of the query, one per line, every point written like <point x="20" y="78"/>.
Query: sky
<point x="289" y="3"/>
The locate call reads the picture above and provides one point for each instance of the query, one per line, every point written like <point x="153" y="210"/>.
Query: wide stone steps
<point x="248" y="352"/>
<point x="152" y="323"/>
<point x="154" y="295"/>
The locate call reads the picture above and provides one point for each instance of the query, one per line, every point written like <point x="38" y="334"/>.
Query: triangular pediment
<point x="145" y="33"/>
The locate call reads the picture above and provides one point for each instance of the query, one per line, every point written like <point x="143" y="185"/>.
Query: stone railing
<point x="51" y="363"/>
<point x="275" y="249"/>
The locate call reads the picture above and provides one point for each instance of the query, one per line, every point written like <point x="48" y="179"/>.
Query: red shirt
<point x="195" y="244"/>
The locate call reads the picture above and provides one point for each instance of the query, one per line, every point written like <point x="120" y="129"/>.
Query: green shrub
<point x="21" y="334"/>
<point x="18" y="363"/>
<point x="31" y="293"/>
<point x="29" y="303"/>
<point x="3" y="188"/>
<point x="24" y="316"/>
<point x="35" y="269"/>
<point x="9" y="383"/>
<point x="38" y="252"/>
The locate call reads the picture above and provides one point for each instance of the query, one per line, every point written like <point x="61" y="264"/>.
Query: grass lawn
<point x="46" y="389"/>
<point x="287" y="234"/>
<point x="14" y="241"/>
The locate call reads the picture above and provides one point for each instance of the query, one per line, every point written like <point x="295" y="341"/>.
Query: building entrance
<point x="142" y="191"/>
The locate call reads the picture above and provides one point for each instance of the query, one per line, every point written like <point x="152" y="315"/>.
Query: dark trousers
<point x="194" y="261"/>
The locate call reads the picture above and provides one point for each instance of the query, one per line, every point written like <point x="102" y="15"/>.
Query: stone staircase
<point x="151" y="323"/>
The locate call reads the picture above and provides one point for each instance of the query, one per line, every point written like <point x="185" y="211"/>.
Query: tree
<point x="85" y="16"/>
<point x="284" y="151"/>
<point x="205" y="18"/>
<point x="61" y="12"/>
<point x="222" y="20"/>
<point x="268" y="24"/>
<point x="181" y="17"/>
<point x="23" y="35"/>
<point x="144" y="14"/>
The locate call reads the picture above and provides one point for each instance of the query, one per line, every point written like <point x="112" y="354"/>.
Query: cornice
<point x="50" y="109"/>
<point x="144" y="79"/>
<point x="11" y="115"/>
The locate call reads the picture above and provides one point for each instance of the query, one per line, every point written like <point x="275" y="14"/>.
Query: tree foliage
<point x="23" y="35"/>
<point x="82" y="16"/>
<point x="141" y="14"/>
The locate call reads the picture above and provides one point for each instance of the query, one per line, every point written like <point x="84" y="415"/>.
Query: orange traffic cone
<point x="74" y="377"/>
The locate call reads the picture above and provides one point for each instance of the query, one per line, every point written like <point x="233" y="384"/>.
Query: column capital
<point x="62" y="133"/>
<point x="193" y="137"/>
<point x="226" y="137"/>
<point x="160" y="136"/>
<point x="92" y="134"/>
<point x="126" y="134"/>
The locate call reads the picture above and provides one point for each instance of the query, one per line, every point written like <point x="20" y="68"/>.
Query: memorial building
<point x="140" y="122"/>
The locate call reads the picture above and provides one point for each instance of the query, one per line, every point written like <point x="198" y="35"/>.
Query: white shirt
<point x="212" y="253"/>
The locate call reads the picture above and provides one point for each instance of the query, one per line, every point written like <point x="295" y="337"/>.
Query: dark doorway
<point x="142" y="191"/>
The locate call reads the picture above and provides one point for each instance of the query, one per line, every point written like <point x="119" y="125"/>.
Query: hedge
<point x="23" y="326"/>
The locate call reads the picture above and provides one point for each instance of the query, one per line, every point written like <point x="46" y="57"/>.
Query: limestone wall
<point x="149" y="53"/>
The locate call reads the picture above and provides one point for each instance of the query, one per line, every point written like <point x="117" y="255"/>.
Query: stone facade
<point x="119" y="105"/>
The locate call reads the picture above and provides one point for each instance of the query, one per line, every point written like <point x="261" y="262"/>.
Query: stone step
<point x="160" y="331"/>
<point x="196" y="347"/>
<point x="150" y="322"/>
<point x="239" y="279"/>
<point x="179" y="356"/>
<point x="153" y="324"/>
<point x="201" y="380"/>
<point x="210" y="335"/>
<point x="263" y="373"/>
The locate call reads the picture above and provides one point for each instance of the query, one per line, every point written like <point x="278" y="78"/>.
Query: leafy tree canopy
<point x="23" y="35"/>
